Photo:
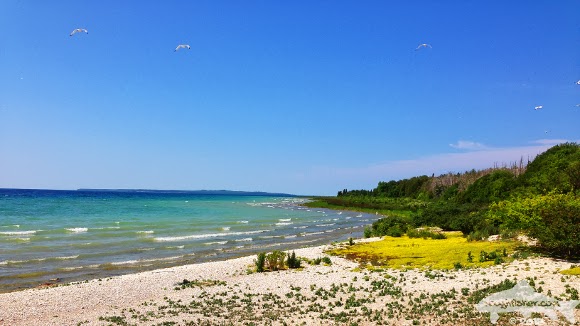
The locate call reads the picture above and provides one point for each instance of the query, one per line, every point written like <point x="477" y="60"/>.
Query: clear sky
<point x="304" y="97"/>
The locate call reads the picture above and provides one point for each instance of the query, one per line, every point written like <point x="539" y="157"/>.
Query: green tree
<point x="553" y="219"/>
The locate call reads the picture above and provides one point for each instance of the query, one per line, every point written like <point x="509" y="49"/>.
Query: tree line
<point x="540" y="197"/>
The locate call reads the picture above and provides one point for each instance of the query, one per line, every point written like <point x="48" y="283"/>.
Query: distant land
<point x="196" y="192"/>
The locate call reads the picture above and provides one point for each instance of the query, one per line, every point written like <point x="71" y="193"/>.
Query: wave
<point x="283" y="223"/>
<point x="301" y="227"/>
<point x="145" y="232"/>
<point x="36" y="260"/>
<point x="331" y="224"/>
<point x="12" y="226"/>
<point x="243" y="222"/>
<point x="207" y="235"/>
<point x="175" y="247"/>
<point x="284" y="219"/>
<point x="216" y="242"/>
<point x="18" y="232"/>
<point x="312" y="233"/>
<point x="77" y="230"/>
<point x="225" y="228"/>
<point x="244" y="239"/>
<point x="140" y="261"/>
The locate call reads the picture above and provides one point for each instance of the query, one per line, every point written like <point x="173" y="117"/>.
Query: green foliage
<point x="275" y="260"/>
<point x="423" y="233"/>
<point x="557" y="168"/>
<point x="260" y="262"/>
<point x="553" y="219"/>
<point x="326" y="260"/>
<point x="540" y="199"/>
<point x="392" y="226"/>
<point x="292" y="261"/>
<point x="490" y="188"/>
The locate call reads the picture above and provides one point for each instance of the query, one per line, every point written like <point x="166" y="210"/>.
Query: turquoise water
<point x="63" y="236"/>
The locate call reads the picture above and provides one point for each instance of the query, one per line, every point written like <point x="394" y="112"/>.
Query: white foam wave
<point x="145" y="232"/>
<point x="312" y="233"/>
<point x="301" y="227"/>
<point x="127" y="262"/>
<point x="284" y="219"/>
<point x="66" y="257"/>
<point x="77" y="230"/>
<point x="216" y="242"/>
<point x="331" y="224"/>
<point x="244" y="239"/>
<point x="225" y="228"/>
<point x="284" y="223"/>
<point x="289" y="236"/>
<point x="243" y="222"/>
<point x="70" y="268"/>
<point x="17" y="232"/>
<point x="207" y="235"/>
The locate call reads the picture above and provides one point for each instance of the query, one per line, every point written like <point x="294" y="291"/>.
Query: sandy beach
<point x="224" y="293"/>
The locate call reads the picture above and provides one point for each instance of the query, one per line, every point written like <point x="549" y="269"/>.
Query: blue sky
<point x="304" y="97"/>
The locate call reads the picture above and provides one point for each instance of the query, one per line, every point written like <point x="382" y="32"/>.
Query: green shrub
<point x="326" y="260"/>
<point x="368" y="232"/>
<point x="275" y="260"/>
<point x="413" y="233"/>
<point x="553" y="219"/>
<point x="292" y="261"/>
<point x="260" y="262"/>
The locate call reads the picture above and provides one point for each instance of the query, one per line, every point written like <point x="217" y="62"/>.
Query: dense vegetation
<point x="540" y="199"/>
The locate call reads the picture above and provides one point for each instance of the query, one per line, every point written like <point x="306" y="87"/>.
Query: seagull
<point x="578" y="82"/>
<point x="538" y="107"/>
<point x="423" y="45"/>
<point x="78" y="30"/>
<point x="182" y="46"/>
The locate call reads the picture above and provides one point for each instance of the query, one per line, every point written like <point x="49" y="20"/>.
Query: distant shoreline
<point x="161" y="191"/>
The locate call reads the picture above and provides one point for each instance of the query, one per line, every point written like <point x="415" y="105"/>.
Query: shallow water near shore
<point x="62" y="236"/>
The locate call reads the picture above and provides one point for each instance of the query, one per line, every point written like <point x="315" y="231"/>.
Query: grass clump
<point x="405" y="252"/>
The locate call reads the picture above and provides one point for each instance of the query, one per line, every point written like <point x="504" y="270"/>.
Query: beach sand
<point x="336" y="294"/>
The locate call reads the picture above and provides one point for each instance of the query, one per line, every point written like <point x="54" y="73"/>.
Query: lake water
<point x="77" y="235"/>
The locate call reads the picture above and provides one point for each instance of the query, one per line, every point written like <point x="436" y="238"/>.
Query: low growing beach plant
<point x="404" y="252"/>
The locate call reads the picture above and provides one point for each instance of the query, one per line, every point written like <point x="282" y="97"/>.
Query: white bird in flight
<point x="538" y="107"/>
<point x="578" y="82"/>
<point x="182" y="46"/>
<point x="78" y="30"/>
<point x="423" y="45"/>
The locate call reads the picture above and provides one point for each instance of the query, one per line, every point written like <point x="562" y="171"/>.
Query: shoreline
<point x="322" y="293"/>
